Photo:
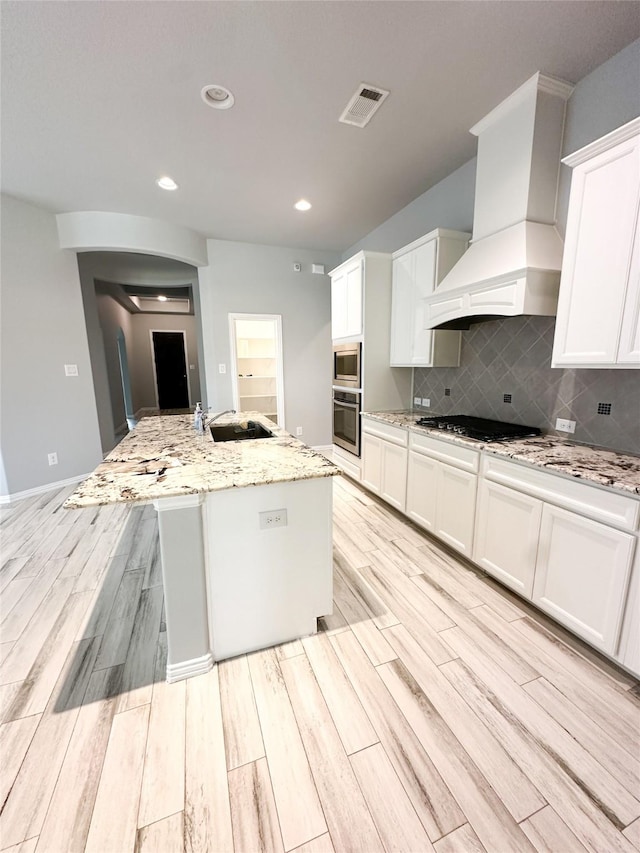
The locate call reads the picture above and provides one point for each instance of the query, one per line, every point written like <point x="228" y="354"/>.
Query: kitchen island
<point x="245" y="533"/>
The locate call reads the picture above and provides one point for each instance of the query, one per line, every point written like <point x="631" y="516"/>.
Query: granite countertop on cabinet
<point x="165" y="457"/>
<point x="620" y="471"/>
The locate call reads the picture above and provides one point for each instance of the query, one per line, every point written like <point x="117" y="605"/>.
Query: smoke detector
<point x="362" y="106"/>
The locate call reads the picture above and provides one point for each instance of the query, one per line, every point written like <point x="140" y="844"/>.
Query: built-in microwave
<point x="347" y="365"/>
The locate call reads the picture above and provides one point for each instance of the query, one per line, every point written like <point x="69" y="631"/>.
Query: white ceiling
<point x="101" y="98"/>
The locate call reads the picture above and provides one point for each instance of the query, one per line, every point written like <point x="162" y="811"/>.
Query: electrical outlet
<point x="53" y="458"/>
<point x="273" y="518"/>
<point x="563" y="425"/>
<point x="426" y="403"/>
<point x="298" y="430"/>
<point x="416" y="401"/>
<point x="222" y="368"/>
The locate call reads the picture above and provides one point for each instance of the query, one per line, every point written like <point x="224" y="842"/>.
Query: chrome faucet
<point x="219" y="415"/>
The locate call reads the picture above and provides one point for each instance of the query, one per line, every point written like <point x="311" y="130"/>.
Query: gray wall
<point x="448" y="204"/>
<point x="516" y="352"/>
<point x="144" y="270"/>
<point x="113" y="317"/>
<point x="253" y="279"/>
<point x="141" y="364"/>
<point x="43" y="328"/>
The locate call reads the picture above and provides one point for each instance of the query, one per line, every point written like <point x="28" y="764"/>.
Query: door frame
<point x="277" y="318"/>
<point x="125" y="378"/>
<point x="153" y="361"/>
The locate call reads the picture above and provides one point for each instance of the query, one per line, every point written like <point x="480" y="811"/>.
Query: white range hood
<point x="513" y="264"/>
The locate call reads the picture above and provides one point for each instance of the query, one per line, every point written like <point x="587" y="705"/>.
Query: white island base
<point x="232" y="586"/>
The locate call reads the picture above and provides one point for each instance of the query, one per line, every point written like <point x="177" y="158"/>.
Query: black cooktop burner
<point x="479" y="428"/>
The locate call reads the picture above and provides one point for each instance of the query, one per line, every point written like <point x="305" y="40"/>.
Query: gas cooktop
<point x="481" y="429"/>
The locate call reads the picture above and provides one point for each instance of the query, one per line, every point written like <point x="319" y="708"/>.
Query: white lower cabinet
<point x="565" y="545"/>
<point x="629" y="652"/>
<point x="371" y="462"/>
<point x="582" y="574"/>
<point x="393" y="488"/>
<point x="456" y="507"/>
<point x="422" y="489"/>
<point x="574" y="565"/>
<point x="507" y="531"/>
<point x="384" y="462"/>
<point x="441" y="497"/>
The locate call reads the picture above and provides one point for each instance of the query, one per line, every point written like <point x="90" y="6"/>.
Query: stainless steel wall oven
<point x="346" y="420"/>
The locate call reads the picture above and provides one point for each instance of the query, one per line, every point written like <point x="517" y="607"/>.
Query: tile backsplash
<point x="505" y="374"/>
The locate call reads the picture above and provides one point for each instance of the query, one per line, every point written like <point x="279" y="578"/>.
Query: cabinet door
<point x="629" y="654"/>
<point x="507" y="530"/>
<point x="354" y="301"/>
<point x="582" y="573"/>
<point x="629" y="349"/>
<point x="596" y="264"/>
<point x="424" y="277"/>
<point x="394" y="475"/>
<point x="402" y="308"/>
<point x="339" y="306"/>
<point x="456" y="507"/>
<point x="371" y="462"/>
<point x="421" y="490"/>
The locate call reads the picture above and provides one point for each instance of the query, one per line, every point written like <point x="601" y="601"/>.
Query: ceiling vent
<point x="366" y="101"/>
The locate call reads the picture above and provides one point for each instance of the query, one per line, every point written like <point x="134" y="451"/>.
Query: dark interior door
<point x="171" y="370"/>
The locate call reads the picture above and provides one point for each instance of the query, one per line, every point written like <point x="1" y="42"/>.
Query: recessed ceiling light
<point x="167" y="183"/>
<point x="303" y="204"/>
<point x="162" y="298"/>
<point x="218" y="97"/>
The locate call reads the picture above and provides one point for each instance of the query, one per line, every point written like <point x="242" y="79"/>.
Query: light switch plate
<point x="222" y="368"/>
<point x="71" y="370"/>
<point x="426" y="402"/>
<point x="416" y="401"/>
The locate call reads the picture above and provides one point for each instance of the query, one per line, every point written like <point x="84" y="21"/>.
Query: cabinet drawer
<point x="394" y="434"/>
<point x="446" y="451"/>
<point x="608" y="507"/>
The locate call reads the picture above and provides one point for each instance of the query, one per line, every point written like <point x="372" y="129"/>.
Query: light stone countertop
<point x="165" y="457"/>
<point x="620" y="471"/>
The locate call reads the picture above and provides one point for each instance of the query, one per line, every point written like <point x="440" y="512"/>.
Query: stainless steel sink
<point x="238" y="432"/>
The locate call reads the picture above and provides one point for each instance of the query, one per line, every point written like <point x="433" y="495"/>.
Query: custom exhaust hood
<point x="512" y="266"/>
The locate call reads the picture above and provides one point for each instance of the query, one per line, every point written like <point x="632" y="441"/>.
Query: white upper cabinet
<point x="598" y="322"/>
<point x="417" y="270"/>
<point x="346" y="300"/>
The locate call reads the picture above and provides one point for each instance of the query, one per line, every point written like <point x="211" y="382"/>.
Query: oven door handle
<point x="346" y="405"/>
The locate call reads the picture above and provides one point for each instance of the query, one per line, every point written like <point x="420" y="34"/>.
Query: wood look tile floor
<point x="432" y="712"/>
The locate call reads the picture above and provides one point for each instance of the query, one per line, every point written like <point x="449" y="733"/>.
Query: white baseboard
<point x="323" y="448"/>
<point x="40" y="490"/>
<point x="188" y="668"/>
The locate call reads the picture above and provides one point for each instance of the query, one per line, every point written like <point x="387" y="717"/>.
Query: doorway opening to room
<point x="256" y="356"/>
<point x="170" y="369"/>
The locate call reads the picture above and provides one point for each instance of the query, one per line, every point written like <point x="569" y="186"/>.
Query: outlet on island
<point x="273" y="518"/>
